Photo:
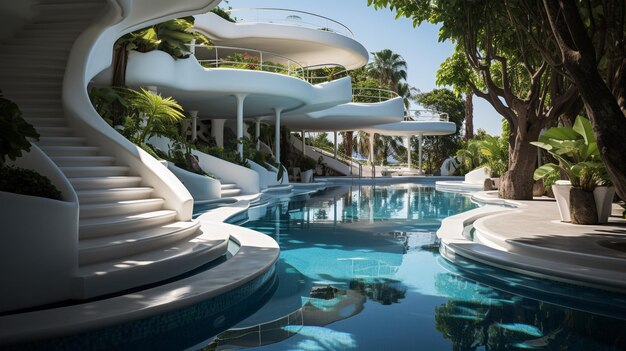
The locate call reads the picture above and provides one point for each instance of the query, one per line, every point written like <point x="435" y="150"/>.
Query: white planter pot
<point x="561" y="194"/>
<point x="604" y="199"/>
<point x="39" y="251"/>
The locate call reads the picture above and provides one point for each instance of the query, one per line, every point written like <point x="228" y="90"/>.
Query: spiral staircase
<point x="128" y="237"/>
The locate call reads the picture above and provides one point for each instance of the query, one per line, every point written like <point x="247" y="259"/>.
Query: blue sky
<point x="378" y="30"/>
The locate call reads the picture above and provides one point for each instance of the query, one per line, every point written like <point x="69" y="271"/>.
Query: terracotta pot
<point x="582" y="207"/>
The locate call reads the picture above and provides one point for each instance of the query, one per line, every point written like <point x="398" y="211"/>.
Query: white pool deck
<point x="530" y="239"/>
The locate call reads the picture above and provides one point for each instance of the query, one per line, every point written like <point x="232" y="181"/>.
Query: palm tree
<point x="406" y="92"/>
<point x="388" y="68"/>
<point x="156" y="108"/>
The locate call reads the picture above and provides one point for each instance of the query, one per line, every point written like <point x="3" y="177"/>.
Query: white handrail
<point x="374" y="94"/>
<point x="426" y="115"/>
<point x="257" y="61"/>
<point x="329" y="25"/>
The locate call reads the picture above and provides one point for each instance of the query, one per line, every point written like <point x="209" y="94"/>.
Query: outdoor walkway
<point x="531" y="239"/>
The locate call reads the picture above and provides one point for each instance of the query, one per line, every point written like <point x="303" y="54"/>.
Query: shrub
<point x="14" y="131"/>
<point x="27" y="182"/>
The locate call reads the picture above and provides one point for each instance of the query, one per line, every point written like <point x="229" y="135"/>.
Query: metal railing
<point x="215" y="56"/>
<point x="313" y="78"/>
<point x="425" y="115"/>
<point x="371" y="95"/>
<point x="290" y="18"/>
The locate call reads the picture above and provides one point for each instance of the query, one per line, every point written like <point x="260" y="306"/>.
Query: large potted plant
<point x="579" y="159"/>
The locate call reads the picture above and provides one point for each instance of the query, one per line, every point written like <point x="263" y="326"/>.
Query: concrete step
<point x="46" y="131"/>
<point x="226" y="186"/>
<point x="94" y="183"/>
<point x="119" y="208"/>
<point x="231" y="192"/>
<point x="83" y="161"/>
<point x="61" y="141"/>
<point x="105" y="226"/>
<point x="115" y="246"/>
<point x="64" y="150"/>
<point x="39" y="122"/>
<point x="150" y="267"/>
<point x="113" y="194"/>
<point x="94" y="171"/>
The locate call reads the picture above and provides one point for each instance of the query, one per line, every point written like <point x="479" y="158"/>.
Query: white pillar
<point x="194" y="125"/>
<point x="408" y="151"/>
<point x="277" y="112"/>
<point x="371" y="156"/>
<point x="303" y="143"/>
<point x="240" y="99"/>
<point x="419" y="140"/>
<point x="217" y="131"/>
<point x="336" y="145"/>
<point x="257" y="132"/>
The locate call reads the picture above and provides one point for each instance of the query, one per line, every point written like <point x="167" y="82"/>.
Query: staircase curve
<point x="134" y="225"/>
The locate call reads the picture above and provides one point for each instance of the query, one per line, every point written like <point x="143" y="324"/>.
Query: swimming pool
<point x="360" y="269"/>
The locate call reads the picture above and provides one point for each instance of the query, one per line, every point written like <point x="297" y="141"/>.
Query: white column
<point x="194" y="125"/>
<point x="240" y="99"/>
<point x="408" y="151"/>
<point x="277" y="112"/>
<point x="217" y="131"/>
<point x="419" y="140"/>
<point x="257" y="132"/>
<point x="336" y="145"/>
<point x="371" y="156"/>
<point x="303" y="143"/>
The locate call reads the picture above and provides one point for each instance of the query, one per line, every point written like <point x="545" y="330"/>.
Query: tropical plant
<point x="577" y="152"/>
<point x="388" y="68"/>
<point x="14" y="131"/>
<point x="173" y="36"/>
<point x="495" y="151"/>
<point x="156" y="109"/>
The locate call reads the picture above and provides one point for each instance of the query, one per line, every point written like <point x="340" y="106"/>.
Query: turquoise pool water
<point x="360" y="270"/>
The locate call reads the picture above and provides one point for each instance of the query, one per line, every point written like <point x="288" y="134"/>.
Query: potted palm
<point x="584" y="199"/>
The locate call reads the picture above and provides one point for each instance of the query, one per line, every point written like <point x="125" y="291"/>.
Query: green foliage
<point x="27" y="182"/>
<point x="157" y="109"/>
<point x="438" y="148"/>
<point x="388" y="68"/>
<point x="224" y="14"/>
<point x="495" y="151"/>
<point x="577" y="151"/>
<point x="172" y="37"/>
<point x="109" y="102"/>
<point x="14" y="131"/>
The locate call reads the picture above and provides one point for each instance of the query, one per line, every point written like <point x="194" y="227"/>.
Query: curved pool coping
<point x="501" y="239"/>
<point x="256" y="256"/>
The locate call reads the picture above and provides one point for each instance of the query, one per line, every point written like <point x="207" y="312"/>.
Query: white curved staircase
<point x="127" y="236"/>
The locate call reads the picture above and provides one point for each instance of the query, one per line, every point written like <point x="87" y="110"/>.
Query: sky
<point x="378" y="30"/>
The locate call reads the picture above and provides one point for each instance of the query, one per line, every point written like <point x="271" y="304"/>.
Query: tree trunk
<point x="120" y="61"/>
<point x="469" y="115"/>
<point x="517" y="182"/>
<point x="347" y="144"/>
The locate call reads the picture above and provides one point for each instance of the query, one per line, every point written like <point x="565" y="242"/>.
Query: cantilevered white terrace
<point x="310" y="39"/>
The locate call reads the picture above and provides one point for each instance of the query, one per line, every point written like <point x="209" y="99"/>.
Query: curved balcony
<point x="299" y="40"/>
<point x="417" y="122"/>
<point x="289" y="17"/>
